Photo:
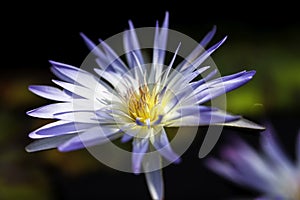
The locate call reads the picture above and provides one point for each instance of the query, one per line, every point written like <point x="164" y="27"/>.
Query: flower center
<point x="144" y="105"/>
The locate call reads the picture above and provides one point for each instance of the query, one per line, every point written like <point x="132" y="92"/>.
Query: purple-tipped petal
<point x="207" y="38"/>
<point x="113" y="59"/>
<point x="81" y="77"/>
<point x="49" y="92"/>
<point x="34" y="134"/>
<point x="202" y="57"/>
<point x="140" y="147"/>
<point x="59" y="128"/>
<point x="207" y="53"/>
<point x="155" y="184"/>
<point x="106" y="59"/>
<point x="197" y="51"/>
<point x="152" y="166"/>
<point x="93" y="136"/>
<point x="131" y="45"/>
<point x="50" y="110"/>
<point x="213" y="117"/>
<point x="161" y="143"/>
<point x="196" y="84"/>
<point x="48" y="143"/>
<point x="199" y="116"/>
<point x="167" y="71"/>
<point x="76" y="89"/>
<point x="113" y="79"/>
<point x="242" y="123"/>
<point x="188" y="77"/>
<point x="61" y="76"/>
<point x="163" y="37"/>
<point x="218" y="89"/>
<point x="134" y="42"/>
<point x="160" y="42"/>
<point x="96" y="51"/>
<point x="91" y="45"/>
<point x="79" y="117"/>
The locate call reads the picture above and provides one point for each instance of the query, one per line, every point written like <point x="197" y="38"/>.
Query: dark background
<point x="261" y="36"/>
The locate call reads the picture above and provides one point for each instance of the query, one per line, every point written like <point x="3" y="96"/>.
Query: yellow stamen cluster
<point x="143" y="104"/>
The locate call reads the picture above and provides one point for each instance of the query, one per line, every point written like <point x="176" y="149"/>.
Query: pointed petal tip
<point x="52" y="62"/>
<point x="156" y="23"/>
<point x="28" y="150"/>
<point x="31" y="148"/>
<point x="167" y="14"/>
<point x="55" y="81"/>
<point x="63" y="148"/>
<point x="100" y="40"/>
<point x="213" y="31"/>
<point x="33" y="135"/>
<point x="131" y="26"/>
<point x="31" y="112"/>
<point x="224" y="39"/>
<point x="166" y="21"/>
<point x="82" y="34"/>
<point x="31" y="88"/>
<point x="136" y="170"/>
<point x="252" y="73"/>
<point x="179" y="160"/>
<point x="244" y="123"/>
<point x="56" y="63"/>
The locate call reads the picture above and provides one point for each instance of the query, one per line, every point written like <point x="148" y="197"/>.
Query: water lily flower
<point x="132" y="101"/>
<point x="269" y="172"/>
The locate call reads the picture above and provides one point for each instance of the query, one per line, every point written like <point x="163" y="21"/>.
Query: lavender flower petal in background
<point x="269" y="172"/>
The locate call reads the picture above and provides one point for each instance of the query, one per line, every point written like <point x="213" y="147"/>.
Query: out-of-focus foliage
<point x="275" y="88"/>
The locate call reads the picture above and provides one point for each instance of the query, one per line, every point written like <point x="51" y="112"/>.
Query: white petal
<point x="48" y="111"/>
<point x="83" y="117"/>
<point x="76" y="89"/>
<point x="48" y="143"/>
<point x="140" y="147"/>
<point x="197" y="51"/>
<point x="80" y="76"/>
<point x="49" y="92"/>
<point x="113" y="59"/>
<point x="161" y="143"/>
<point x="154" y="178"/>
<point x="243" y="123"/>
<point x="59" y="128"/>
<point x="93" y="136"/>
